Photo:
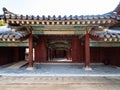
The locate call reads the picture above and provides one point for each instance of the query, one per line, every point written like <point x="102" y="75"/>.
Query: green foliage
<point x="2" y="23"/>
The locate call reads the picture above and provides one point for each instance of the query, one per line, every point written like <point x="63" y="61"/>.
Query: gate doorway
<point x="59" y="50"/>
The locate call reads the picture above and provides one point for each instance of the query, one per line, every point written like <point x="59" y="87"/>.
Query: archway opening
<point x="59" y="50"/>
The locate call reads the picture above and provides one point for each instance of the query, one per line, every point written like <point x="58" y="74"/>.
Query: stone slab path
<point x="59" y="83"/>
<point x="60" y="77"/>
<point x="17" y="65"/>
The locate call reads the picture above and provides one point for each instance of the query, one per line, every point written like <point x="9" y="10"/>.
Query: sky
<point x="59" y="7"/>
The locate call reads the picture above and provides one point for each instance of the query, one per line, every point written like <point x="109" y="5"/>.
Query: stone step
<point x="17" y="65"/>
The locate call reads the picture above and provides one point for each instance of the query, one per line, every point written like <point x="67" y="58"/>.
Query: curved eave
<point x="107" y="22"/>
<point x="7" y="35"/>
<point x="107" y="18"/>
<point x="110" y="35"/>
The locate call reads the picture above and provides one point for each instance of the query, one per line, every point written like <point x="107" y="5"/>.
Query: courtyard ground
<point x="60" y="69"/>
<point x="60" y="76"/>
<point x="59" y="83"/>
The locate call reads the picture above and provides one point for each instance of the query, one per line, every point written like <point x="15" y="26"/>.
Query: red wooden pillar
<point x="30" y="64"/>
<point x="75" y="49"/>
<point x="37" y="52"/>
<point x="43" y="50"/>
<point x="87" y="51"/>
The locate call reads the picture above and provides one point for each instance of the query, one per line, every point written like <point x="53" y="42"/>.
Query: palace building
<point x="76" y="39"/>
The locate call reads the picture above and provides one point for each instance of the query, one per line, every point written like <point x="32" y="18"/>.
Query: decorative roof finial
<point x="7" y="12"/>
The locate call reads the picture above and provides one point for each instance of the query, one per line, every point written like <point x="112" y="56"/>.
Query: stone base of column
<point x="30" y="68"/>
<point x="88" y="68"/>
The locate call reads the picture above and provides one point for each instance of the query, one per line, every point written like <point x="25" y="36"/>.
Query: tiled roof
<point x="4" y="29"/>
<point x="6" y="34"/>
<point x="109" y="35"/>
<point x="76" y="17"/>
<point x="113" y="15"/>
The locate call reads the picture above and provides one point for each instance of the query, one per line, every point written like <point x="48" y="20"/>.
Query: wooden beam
<point x="104" y="44"/>
<point x="62" y="27"/>
<point x="14" y="44"/>
<point x="24" y="21"/>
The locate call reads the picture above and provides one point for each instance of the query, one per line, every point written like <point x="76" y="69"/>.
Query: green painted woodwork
<point x="38" y="27"/>
<point x="59" y="27"/>
<point x="13" y="44"/>
<point x="104" y="44"/>
<point x="45" y="32"/>
<point x="92" y="44"/>
<point x="40" y="32"/>
<point x="80" y="27"/>
<point x="79" y="32"/>
<point x="59" y="45"/>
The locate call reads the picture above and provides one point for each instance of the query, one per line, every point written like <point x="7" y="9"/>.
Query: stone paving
<point x="59" y="83"/>
<point x="62" y="69"/>
<point x="17" y="65"/>
<point x="60" y="77"/>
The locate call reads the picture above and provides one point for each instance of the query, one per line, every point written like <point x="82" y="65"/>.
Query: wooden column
<point x="30" y="65"/>
<point x="37" y="51"/>
<point x="43" y="50"/>
<point x="87" y="51"/>
<point x="75" y="49"/>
